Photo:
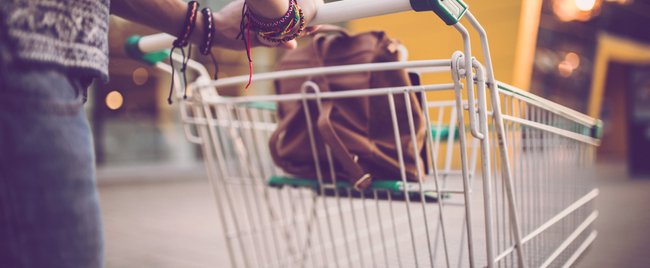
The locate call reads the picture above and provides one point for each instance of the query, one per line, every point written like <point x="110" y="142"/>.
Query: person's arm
<point x="169" y="15"/>
<point x="269" y="9"/>
<point x="163" y="15"/>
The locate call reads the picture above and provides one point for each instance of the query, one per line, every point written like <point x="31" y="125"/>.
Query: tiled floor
<point x="171" y="223"/>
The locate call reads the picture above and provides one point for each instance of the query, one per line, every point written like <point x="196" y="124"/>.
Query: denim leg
<point x="49" y="209"/>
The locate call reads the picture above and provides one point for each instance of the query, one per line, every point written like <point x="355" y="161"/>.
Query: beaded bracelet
<point x="290" y="33"/>
<point x="262" y="24"/>
<point x="181" y="42"/>
<point x="279" y="30"/>
<point x="282" y="31"/>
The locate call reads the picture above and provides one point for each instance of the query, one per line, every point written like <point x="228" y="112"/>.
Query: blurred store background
<point x="136" y="130"/>
<point x="590" y="55"/>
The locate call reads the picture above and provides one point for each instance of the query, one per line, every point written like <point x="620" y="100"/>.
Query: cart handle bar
<point x="450" y="11"/>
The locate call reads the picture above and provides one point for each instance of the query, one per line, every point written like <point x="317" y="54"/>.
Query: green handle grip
<point x="450" y="11"/>
<point x="597" y="130"/>
<point x="131" y="47"/>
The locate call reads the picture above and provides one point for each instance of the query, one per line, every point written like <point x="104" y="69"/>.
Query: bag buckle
<point x="361" y="182"/>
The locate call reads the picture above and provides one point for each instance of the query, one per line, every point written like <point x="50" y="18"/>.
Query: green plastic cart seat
<point x="384" y="188"/>
<point x="443" y="131"/>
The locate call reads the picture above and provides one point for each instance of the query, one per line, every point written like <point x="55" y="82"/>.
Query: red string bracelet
<point x="244" y="35"/>
<point x="278" y="29"/>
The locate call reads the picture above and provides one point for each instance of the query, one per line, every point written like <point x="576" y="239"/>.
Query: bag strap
<point x="324" y="37"/>
<point x="360" y="179"/>
<point x="348" y="161"/>
<point x="275" y="136"/>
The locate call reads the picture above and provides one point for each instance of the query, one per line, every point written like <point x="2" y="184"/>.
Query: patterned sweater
<point x="69" y="34"/>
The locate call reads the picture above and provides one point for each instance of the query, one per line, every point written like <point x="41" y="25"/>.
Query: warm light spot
<point x="565" y="10"/>
<point x="114" y="100"/>
<point x="580" y="10"/>
<point x="565" y="68"/>
<point x="140" y="76"/>
<point x="573" y="59"/>
<point x="585" y="5"/>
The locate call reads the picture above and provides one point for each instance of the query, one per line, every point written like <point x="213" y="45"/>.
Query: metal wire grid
<point x="290" y="227"/>
<point x="300" y="227"/>
<point x="553" y="183"/>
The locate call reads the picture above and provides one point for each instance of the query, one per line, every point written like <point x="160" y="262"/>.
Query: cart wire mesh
<point x="464" y="213"/>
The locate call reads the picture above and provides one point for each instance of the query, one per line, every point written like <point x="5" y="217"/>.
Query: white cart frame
<point x="535" y="204"/>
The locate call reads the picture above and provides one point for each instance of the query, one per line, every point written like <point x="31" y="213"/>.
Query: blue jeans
<point x="49" y="209"/>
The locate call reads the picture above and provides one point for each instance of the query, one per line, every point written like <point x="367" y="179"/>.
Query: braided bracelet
<point x="263" y="24"/>
<point x="281" y="37"/>
<point x="181" y="42"/>
<point x="188" y="26"/>
<point x="286" y="30"/>
<point x="208" y="38"/>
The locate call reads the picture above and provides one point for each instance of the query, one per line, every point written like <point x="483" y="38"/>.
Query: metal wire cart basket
<point x="508" y="181"/>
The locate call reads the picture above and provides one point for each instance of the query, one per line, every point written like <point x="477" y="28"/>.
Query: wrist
<point x="224" y="30"/>
<point x="186" y="35"/>
<point x="199" y="29"/>
<point x="273" y="10"/>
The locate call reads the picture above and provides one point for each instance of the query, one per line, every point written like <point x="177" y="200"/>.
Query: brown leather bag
<point x="359" y="130"/>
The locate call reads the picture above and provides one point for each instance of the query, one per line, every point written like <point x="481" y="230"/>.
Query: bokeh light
<point x="585" y="5"/>
<point x="114" y="100"/>
<point x="576" y="10"/>
<point x="573" y="59"/>
<point x="140" y="76"/>
<point x="565" y="69"/>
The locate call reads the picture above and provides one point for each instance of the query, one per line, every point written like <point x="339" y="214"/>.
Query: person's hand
<point x="228" y="19"/>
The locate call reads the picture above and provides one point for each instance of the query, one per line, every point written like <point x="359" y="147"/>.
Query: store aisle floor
<point x="173" y="222"/>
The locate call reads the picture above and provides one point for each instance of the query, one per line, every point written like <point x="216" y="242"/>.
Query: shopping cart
<point x="522" y="194"/>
